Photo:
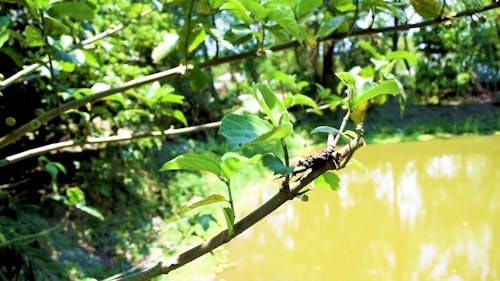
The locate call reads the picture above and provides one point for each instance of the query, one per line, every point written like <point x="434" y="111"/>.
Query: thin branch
<point x="53" y="113"/>
<point x="16" y="134"/>
<point x="96" y="141"/>
<point x="146" y="272"/>
<point x="33" y="67"/>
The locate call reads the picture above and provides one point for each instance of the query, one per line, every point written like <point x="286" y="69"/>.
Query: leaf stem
<point x="287" y="164"/>
<point x="341" y="129"/>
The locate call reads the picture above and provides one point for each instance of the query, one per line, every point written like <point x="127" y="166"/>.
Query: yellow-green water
<point x="421" y="211"/>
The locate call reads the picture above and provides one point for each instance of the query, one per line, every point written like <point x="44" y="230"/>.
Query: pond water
<point x="420" y="211"/>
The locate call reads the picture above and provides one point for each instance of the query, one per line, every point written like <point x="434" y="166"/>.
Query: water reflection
<point x="420" y="211"/>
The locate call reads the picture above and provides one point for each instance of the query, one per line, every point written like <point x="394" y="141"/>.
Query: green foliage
<point x="63" y="52"/>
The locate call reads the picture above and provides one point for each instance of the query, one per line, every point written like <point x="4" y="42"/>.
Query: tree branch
<point x="146" y="272"/>
<point x="53" y="113"/>
<point x="180" y="70"/>
<point x="32" y="68"/>
<point x="89" y="141"/>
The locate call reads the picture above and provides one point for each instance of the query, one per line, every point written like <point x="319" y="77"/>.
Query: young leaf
<point x="330" y="130"/>
<point x="386" y="87"/>
<point x="347" y="79"/>
<point x="90" y="210"/>
<point x="280" y="132"/>
<point x="211" y="199"/>
<point x="400" y="54"/>
<point x="330" y="180"/>
<point x="300" y="99"/>
<point x="271" y="105"/>
<point x="196" y="38"/>
<point x="240" y="129"/>
<point x="229" y="216"/>
<point x="274" y="163"/>
<point x="233" y="162"/>
<point x="75" y="195"/>
<point x="165" y="47"/>
<point x="328" y="27"/>
<point x="197" y="162"/>
<point x="34" y="36"/>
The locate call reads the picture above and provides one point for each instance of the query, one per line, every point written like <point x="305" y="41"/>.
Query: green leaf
<point x="211" y="199"/>
<point x="75" y="195"/>
<point x="62" y="55"/>
<point x="369" y="47"/>
<point x="331" y="130"/>
<point x="306" y="6"/>
<point x="76" y="10"/>
<point x="400" y="54"/>
<point x="164" y="48"/>
<point x="274" y="163"/>
<point x="343" y="5"/>
<point x="300" y="99"/>
<point x="386" y="87"/>
<point x="233" y="162"/>
<point x="286" y="20"/>
<point x="347" y="79"/>
<point x="197" y="162"/>
<point x="269" y="102"/>
<point x="240" y="129"/>
<point x="330" y="180"/>
<point x="256" y="9"/>
<point x="54" y="27"/>
<point x="197" y="79"/>
<point x="179" y="115"/>
<point x="90" y="210"/>
<point x="196" y="38"/>
<point x="280" y="132"/>
<point x="238" y="9"/>
<point x="34" y="36"/>
<point x="229" y="216"/>
<point x="328" y="27"/>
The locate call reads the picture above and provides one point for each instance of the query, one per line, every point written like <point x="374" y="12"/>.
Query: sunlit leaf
<point x="287" y="21"/>
<point x="164" y="48"/>
<point x="306" y="6"/>
<point x="196" y="38"/>
<point x="275" y="164"/>
<point x="300" y="99"/>
<point x="280" y="132"/>
<point x="369" y="47"/>
<point x="233" y="162"/>
<point x="269" y="102"/>
<point x="347" y="79"/>
<point x="75" y="195"/>
<point x="197" y="162"/>
<point x="330" y="180"/>
<point x="211" y="199"/>
<point x="386" y="87"/>
<point x="400" y="54"/>
<point x="237" y="9"/>
<point x="90" y="210"/>
<point x="34" y="36"/>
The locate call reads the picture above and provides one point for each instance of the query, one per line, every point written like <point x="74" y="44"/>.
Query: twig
<point x="95" y="141"/>
<point x="146" y="272"/>
<point x="16" y="134"/>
